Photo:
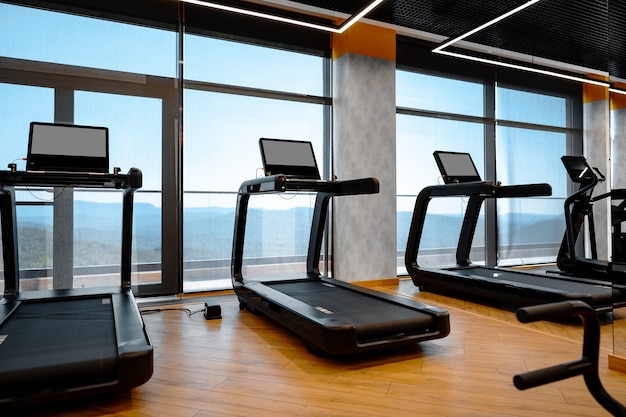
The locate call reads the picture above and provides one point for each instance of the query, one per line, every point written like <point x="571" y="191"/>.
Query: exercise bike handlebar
<point x="552" y="311"/>
<point x="587" y="365"/>
<point x="550" y="374"/>
<point x="558" y="372"/>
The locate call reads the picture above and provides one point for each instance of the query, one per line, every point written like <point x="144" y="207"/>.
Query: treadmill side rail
<point x="118" y="358"/>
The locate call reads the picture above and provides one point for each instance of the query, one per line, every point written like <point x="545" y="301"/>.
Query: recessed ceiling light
<point x="334" y="29"/>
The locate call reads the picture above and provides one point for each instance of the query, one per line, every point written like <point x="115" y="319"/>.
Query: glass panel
<point x="428" y="92"/>
<point x="135" y="141"/>
<point x="19" y="106"/>
<point x="35" y="238"/>
<point x="277" y="234"/>
<point x="530" y="229"/>
<point x="232" y="63"/>
<point x="524" y="106"/>
<point x="221" y="137"/>
<point x="53" y="37"/>
<point x="97" y="238"/>
<point x="417" y="139"/>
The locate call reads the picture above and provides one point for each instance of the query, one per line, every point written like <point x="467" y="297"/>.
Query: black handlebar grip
<point x="551" y="374"/>
<point x="550" y="311"/>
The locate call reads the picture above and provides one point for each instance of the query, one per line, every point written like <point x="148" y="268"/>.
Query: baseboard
<point x="617" y="363"/>
<point x="378" y="282"/>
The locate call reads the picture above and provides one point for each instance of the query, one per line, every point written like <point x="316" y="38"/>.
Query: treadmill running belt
<point x="601" y="294"/>
<point x="372" y="318"/>
<point x="54" y="344"/>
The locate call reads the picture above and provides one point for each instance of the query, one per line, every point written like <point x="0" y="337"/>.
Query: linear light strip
<point x="484" y="25"/>
<point x="339" y="29"/>
<point x="360" y="15"/>
<point x="439" y="50"/>
<point x="524" y="68"/>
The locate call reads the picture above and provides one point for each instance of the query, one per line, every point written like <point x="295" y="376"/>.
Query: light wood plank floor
<point x="247" y="365"/>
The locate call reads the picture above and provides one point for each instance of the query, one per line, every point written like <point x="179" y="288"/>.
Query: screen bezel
<point x="71" y="163"/>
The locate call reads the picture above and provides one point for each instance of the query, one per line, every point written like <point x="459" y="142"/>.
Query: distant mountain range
<point x="208" y="233"/>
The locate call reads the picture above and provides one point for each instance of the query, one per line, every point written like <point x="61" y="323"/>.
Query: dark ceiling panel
<point x="440" y="17"/>
<point x="586" y="33"/>
<point x="573" y="32"/>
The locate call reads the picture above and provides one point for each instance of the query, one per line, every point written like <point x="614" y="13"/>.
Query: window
<point x="95" y="72"/>
<point x="522" y="123"/>
<point x="221" y="151"/>
<point x="240" y="79"/>
<point x="530" y="139"/>
<point x="60" y="38"/>
<point x="418" y="135"/>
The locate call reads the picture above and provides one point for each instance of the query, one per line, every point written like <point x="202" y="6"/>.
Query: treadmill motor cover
<point x="39" y="350"/>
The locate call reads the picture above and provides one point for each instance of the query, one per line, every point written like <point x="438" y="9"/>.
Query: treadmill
<point x="331" y="316"/>
<point x="64" y="343"/>
<point x="578" y="207"/>
<point x="461" y="179"/>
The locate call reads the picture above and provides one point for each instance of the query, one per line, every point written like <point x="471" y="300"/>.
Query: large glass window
<point x="149" y="82"/>
<point x="524" y="131"/>
<point x="221" y="151"/>
<point x="75" y="69"/>
<point x="417" y="137"/>
<point x="20" y="105"/>
<point x="527" y="152"/>
<point x="134" y="128"/>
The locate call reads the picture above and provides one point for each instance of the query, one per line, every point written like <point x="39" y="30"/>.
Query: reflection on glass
<point x="618" y="182"/>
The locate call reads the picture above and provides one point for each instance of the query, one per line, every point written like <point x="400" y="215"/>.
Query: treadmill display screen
<point x="64" y="147"/>
<point x="578" y="168"/>
<point x="289" y="157"/>
<point x="456" y="167"/>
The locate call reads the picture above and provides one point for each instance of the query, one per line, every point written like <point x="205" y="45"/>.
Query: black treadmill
<point x="331" y="316"/>
<point x="464" y="277"/>
<point x="577" y="208"/>
<point x="59" y="344"/>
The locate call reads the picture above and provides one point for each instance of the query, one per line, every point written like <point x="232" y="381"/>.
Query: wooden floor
<point x="246" y="365"/>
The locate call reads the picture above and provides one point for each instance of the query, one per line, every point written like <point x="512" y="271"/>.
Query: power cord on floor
<point x="210" y="311"/>
<point x="158" y="310"/>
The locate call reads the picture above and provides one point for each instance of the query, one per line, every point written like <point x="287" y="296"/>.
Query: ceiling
<point x="584" y="34"/>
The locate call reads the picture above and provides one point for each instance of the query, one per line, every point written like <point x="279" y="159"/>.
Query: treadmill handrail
<point x="477" y="192"/>
<point x="281" y="183"/>
<point x="129" y="183"/>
